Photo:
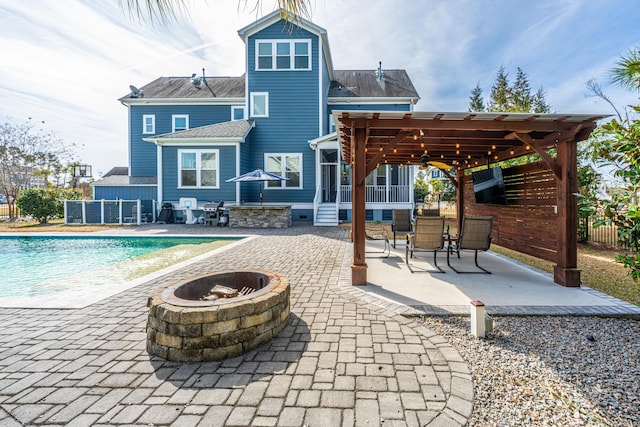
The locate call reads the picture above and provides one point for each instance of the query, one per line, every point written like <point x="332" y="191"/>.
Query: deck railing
<point x="379" y="193"/>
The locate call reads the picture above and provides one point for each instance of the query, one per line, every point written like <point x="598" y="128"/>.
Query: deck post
<point x="358" y="206"/>
<point x="566" y="272"/>
<point x="460" y="198"/>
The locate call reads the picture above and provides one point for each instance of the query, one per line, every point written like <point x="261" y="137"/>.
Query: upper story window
<point x="179" y="122"/>
<point x="288" y="165"/>
<point x="237" y="112"/>
<point x="378" y="176"/>
<point x="283" y="55"/>
<point x="149" y="124"/>
<point x="259" y="104"/>
<point x="198" y="168"/>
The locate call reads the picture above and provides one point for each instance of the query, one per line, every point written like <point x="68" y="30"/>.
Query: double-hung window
<point x="198" y="168"/>
<point x="288" y="165"/>
<point x="148" y="124"/>
<point x="282" y="55"/>
<point x="179" y="122"/>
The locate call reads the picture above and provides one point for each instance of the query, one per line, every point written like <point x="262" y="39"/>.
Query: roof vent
<point x="195" y="80"/>
<point x="379" y="72"/>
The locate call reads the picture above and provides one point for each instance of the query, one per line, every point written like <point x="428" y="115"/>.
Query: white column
<point x="477" y="319"/>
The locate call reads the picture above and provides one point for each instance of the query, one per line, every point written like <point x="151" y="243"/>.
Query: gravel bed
<point x="551" y="371"/>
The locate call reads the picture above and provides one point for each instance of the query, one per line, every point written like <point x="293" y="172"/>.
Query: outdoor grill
<point x="213" y="213"/>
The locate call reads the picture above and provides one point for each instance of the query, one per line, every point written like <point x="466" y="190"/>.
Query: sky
<point x="66" y="62"/>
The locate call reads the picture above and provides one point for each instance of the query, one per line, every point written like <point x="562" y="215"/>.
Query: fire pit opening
<point x="217" y="316"/>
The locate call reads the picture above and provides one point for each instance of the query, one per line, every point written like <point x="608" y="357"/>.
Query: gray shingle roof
<point x="181" y="87"/>
<point x="233" y="129"/>
<point x="365" y="83"/>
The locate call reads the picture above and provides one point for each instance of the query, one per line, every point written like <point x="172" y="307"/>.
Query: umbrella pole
<point x="261" y="193"/>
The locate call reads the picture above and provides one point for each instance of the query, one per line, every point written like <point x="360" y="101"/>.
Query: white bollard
<point x="477" y="319"/>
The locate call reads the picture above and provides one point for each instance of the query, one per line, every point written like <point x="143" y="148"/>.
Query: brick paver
<point x="340" y="361"/>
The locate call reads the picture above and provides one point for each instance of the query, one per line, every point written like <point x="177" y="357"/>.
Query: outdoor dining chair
<point x="401" y="223"/>
<point x="378" y="232"/>
<point x="475" y="235"/>
<point x="429" y="236"/>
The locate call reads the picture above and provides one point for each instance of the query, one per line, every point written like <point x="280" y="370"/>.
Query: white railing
<point x="380" y="193"/>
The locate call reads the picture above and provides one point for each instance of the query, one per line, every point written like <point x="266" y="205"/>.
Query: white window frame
<point x="274" y="54"/>
<point x="198" y="169"/>
<point x="271" y="185"/>
<point x="152" y="124"/>
<point x="254" y="95"/>
<point x="235" y="108"/>
<point x="179" y="116"/>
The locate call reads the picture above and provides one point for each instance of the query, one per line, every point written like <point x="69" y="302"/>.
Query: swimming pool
<point x="47" y="268"/>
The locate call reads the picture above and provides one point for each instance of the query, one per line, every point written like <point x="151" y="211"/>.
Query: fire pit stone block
<point x="224" y="329"/>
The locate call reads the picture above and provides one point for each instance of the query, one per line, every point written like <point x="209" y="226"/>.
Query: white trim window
<point x="259" y="104"/>
<point x="237" y="112"/>
<point x="198" y="168"/>
<point x="288" y="165"/>
<point x="283" y="55"/>
<point x="179" y="122"/>
<point x="148" y="124"/>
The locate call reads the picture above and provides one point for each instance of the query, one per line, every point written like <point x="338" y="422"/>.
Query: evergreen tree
<point x="520" y="92"/>
<point x="476" y="102"/>
<point x="539" y="103"/>
<point x="500" y="92"/>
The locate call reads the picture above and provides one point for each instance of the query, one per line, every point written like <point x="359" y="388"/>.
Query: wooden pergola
<point x="463" y="141"/>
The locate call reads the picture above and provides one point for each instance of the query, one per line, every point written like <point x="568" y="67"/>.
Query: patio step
<point x="326" y="216"/>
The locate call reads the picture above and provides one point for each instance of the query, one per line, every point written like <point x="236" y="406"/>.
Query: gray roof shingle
<point x="365" y="83"/>
<point x="181" y="87"/>
<point x="233" y="129"/>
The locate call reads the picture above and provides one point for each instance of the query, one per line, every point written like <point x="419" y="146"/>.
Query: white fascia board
<point x="184" y="101"/>
<point x="194" y="141"/>
<point x="370" y="100"/>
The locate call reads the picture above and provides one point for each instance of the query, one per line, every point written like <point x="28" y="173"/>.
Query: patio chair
<point x="401" y="223"/>
<point x="378" y="232"/>
<point x="475" y="235"/>
<point x="429" y="236"/>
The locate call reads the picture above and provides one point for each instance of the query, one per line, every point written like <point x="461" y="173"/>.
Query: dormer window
<point x="281" y="55"/>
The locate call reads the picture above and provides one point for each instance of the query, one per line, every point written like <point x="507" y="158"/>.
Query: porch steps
<point x="327" y="215"/>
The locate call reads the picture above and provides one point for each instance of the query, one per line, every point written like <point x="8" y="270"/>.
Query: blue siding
<point x="170" y="189"/>
<point x="326" y="83"/>
<point x="125" y="193"/>
<point x="143" y="154"/>
<point x="289" y="92"/>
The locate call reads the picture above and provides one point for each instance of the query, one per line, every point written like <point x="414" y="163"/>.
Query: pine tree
<point x="500" y="92"/>
<point x="521" y="99"/>
<point x="539" y="103"/>
<point x="476" y="102"/>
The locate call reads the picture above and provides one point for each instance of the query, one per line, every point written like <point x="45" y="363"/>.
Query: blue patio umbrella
<point x="257" y="175"/>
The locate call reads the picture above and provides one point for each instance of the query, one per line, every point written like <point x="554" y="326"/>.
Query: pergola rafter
<point x="462" y="141"/>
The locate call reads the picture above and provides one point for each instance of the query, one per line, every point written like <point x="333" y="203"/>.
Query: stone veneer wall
<point x="190" y="334"/>
<point x="260" y="216"/>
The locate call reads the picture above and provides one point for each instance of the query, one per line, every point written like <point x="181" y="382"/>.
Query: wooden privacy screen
<point x="528" y="223"/>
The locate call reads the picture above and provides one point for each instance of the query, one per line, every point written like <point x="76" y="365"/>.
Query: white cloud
<point x="67" y="61"/>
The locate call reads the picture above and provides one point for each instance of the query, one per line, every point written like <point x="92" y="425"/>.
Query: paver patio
<point x="340" y="361"/>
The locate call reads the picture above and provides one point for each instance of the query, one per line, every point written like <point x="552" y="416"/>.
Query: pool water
<point x="39" y="266"/>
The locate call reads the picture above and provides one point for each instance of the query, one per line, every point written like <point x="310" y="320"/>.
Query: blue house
<point x="188" y="135"/>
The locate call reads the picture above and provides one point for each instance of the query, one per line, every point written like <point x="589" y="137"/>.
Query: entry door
<point x="329" y="168"/>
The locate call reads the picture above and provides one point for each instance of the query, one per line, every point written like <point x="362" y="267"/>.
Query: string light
<point x="468" y="156"/>
<point x="422" y="145"/>
<point x="493" y="147"/>
<point x="489" y="152"/>
<point x="415" y="137"/>
<point x="442" y="156"/>
<point x="457" y="151"/>
<point x="395" y="150"/>
<point x="457" y="145"/>
<point x="528" y="147"/>
<point x="511" y="152"/>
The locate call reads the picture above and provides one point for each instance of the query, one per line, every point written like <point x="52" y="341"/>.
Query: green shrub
<point x="45" y="204"/>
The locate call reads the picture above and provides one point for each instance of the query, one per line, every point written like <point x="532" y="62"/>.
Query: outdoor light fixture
<point x="424" y="160"/>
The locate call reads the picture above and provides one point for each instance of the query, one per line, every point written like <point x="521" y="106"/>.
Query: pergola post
<point x="460" y="198"/>
<point x="566" y="272"/>
<point x="358" y="206"/>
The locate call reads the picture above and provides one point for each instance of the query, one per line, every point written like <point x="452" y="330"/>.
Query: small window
<point x="265" y="56"/>
<point x="198" y="168"/>
<point x="180" y="122"/>
<point x="259" y="104"/>
<point x="237" y="112"/>
<point x="301" y="56"/>
<point x="286" y="165"/>
<point x="332" y="124"/>
<point x="148" y="124"/>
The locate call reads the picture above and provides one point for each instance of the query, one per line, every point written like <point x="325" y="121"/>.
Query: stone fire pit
<point x="183" y="327"/>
